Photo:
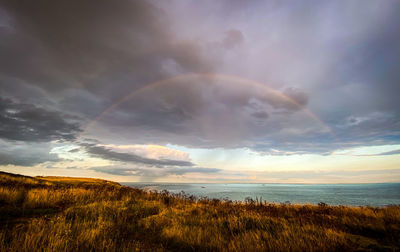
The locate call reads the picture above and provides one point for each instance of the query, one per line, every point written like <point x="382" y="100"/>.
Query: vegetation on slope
<point x="75" y="214"/>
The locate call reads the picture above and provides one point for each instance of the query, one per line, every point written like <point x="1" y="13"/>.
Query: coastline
<point x="77" y="214"/>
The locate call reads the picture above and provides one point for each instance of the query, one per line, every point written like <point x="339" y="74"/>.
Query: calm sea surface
<point x="332" y="194"/>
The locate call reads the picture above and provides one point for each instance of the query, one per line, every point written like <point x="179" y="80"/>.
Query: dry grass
<point x="67" y="214"/>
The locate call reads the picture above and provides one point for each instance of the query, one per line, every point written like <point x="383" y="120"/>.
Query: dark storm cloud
<point x="91" y="44"/>
<point x="26" y="122"/>
<point x="105" y="153"/>
<point x="82" y="56"/>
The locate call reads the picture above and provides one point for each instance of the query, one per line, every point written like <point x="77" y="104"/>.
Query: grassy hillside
<point x="54" y="213"/>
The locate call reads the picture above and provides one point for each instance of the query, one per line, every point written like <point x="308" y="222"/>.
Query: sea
<point x="382" y="194"/>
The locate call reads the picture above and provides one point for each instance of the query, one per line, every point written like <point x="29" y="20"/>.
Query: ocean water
<point x="332" y="194"/>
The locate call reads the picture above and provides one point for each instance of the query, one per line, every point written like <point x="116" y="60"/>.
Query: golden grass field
<point x="79" y="214"/>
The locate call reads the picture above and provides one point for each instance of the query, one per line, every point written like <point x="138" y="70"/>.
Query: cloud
<point x="25" y="154"/>
<point x="153" y="173"/>
<point x="26" y="122"/>
<point x="151" y="151"/>
<point x="105" y="153"/>
<point x="368" y="151"/>
<point x="260" y="114"/>
<point x="232" y="38"/>
<point x="395" y="152"/>
<point x="132" y="164"/>
<point x="275" y="152"/>
<point x="369" y="127"/>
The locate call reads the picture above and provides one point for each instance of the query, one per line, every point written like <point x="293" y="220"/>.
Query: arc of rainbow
<point x="232" y="78"/>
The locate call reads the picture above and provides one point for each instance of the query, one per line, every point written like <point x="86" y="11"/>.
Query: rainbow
<point x="211" y="76"/>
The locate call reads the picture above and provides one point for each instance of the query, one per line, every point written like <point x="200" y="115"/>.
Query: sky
<point x="201" y="91"/>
